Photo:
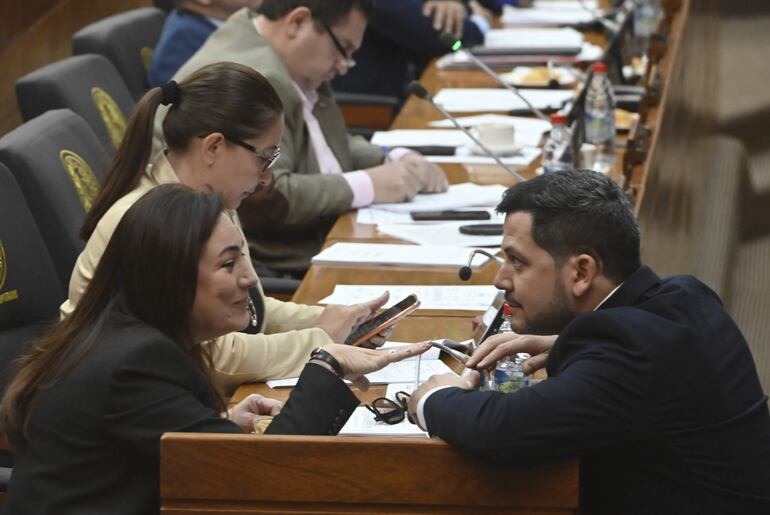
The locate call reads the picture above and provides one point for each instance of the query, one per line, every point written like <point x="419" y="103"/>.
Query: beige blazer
<point x="288" y="335"/>
<point x="284" y="232"/>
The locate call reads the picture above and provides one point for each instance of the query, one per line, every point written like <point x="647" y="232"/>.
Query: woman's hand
<point x="356" y="361"/>
<point x="253" y="408"/>
<point x="498" y="346"/>
<point x="339" y="320"/>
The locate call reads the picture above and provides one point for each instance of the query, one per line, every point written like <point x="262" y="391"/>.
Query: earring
<point x="252" y="313"/>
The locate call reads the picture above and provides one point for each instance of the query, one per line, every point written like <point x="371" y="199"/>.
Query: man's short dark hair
<point x="327" y="11"/>
<point x="576" y="212"/>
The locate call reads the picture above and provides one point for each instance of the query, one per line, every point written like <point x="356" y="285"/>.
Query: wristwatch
<point x="319" y="354"/>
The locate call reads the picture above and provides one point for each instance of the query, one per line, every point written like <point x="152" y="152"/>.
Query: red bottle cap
<point x="599" y="67"/>
<point x="558" y="119"/>
<point x="506" y="310"/>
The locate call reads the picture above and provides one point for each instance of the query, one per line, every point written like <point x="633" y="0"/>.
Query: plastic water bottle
<point x="509" y="377"/>
<point x="600" y="118"/>
<point x="646" y="16"/>
<point x="557" y="151"/>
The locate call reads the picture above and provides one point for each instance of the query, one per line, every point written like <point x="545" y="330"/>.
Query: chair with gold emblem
<point x="89" y="85"/>
<point x="59" y="165"/>
<point x="127" y="40"/>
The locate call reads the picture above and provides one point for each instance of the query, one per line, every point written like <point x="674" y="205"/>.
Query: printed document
<point x="454" y="297"/>
<point x="395" y="254"/>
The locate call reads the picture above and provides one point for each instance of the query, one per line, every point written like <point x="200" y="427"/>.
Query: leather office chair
<point x="89" y="85"/>
<point x="30" y="293"/>
<point x="59" y="165"/>
<point x="366" y="114"/>
<point x="127" y="40"/>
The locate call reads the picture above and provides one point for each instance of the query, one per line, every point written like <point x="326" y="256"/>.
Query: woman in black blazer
<point x="87" y="406"/>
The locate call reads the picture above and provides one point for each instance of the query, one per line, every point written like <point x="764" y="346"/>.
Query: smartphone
<point x="384" y="320"/>
<point x="482" y="229"/>
<point x="427" y="216"/>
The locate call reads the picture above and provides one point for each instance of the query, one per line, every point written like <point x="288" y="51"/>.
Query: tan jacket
<point x="284" y="232"/>
<point x="238" y="358"/>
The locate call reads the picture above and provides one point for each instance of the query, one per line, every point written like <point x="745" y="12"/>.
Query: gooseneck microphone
<point x="419" y="90"/>
<point x="455" y="44"/>
<point x="466" y="272"/>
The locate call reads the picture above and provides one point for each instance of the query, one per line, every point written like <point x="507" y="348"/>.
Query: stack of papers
<point x="457" y="196"/>
<point x="362" y="422"/>
<point x="394" y="254"/>
<point x="551" y="13"/>
<point x="465" y="297"/>
<point x="498" y="99"/>
<point x="527" y="131"/>
<point x="373" y="215"/>
<point x="531" y="42"/>
<point x="460" y="60"/>
<point x="446" y="233"/>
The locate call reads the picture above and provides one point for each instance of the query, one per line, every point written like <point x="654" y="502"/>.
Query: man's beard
<point x="554" y="317"/>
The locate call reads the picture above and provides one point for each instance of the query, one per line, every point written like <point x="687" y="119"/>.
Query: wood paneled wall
<point x="680" y="150"/>
<point x="34" y="33"/>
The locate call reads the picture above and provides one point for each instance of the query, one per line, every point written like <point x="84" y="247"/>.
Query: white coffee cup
<point x="497" y="136"/>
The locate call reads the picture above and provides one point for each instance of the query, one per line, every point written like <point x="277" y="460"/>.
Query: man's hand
<point x="393" y="182"/>
<point x="468" y="381"/>
<point x="430" y="176"/>
<point x="339" y="320"/>
<point x="498" y="346"/>
<point x="379" y="339"/>
<point x="356" y="361"/>
<point x="253" y="408"/>
<point x="448" y="15"/>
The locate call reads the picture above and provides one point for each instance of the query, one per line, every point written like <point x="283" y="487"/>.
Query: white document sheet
<point x="548" y="13"/>
<point x="372" y="215"/>
<point x="446" y="233"/>
<point x="525" y="156"/>
<point x="536" y="39"/>
<point x="460" y="60"/>
<point x="421" y="138"/>
<point x="455" y="297"/>
<point x="457" y="196"/>
<point x="362" y="423"/>
<point x="394" y="254"/>
<point x="526" y="131"/>
<point x="499" y="99"/>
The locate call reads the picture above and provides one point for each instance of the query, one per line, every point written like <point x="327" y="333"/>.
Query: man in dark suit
<point x="651" y="383"/>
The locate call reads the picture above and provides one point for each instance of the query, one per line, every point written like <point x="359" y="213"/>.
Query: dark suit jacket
<point x="656" y="392"/>
<point x="184" y="32"/>
<point x="94" y="436"/>
<point x="398" y="43"/>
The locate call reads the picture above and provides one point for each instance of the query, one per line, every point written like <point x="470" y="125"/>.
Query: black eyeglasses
<point x="348" y="61"/>
<point x="389" y="411"/>
<point x="269" y="156"/>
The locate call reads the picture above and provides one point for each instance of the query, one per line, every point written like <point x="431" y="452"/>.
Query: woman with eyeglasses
<point x="87" y="405"/>
<point x="222" y="131"/>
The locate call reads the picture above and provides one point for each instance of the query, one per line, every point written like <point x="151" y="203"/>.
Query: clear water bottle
<point x="600" y="119"/>
<point x="646" y="16"/>
<point x="557" y="151"/>
<point x="509" y="377"/>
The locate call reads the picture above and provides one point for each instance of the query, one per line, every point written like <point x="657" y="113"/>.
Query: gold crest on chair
<point x="146" y="53"/>
<point x="111" y="114"/>
<point x="82" y="177"/>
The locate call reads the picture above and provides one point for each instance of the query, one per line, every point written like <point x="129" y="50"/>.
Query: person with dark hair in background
<point x="88" y="404"/>
<point x="650" y="382"/>
<point x="186" y="28"/>
<point x="222" y="131"/>
<point x="300" y="45"/>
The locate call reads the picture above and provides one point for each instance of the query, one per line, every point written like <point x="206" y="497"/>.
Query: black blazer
<point x="656" y="392"/>
<point x="94" y="436"/>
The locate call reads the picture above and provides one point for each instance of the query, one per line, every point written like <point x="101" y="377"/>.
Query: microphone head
<point x="449" y="41"/>
<point x="465" y="273"/>
<point x="418" y="89"/>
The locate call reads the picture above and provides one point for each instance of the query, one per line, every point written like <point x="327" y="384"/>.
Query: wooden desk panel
<point x="245" y="474"/>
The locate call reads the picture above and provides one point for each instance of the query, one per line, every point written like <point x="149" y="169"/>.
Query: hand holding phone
<point x="382" y="321"/>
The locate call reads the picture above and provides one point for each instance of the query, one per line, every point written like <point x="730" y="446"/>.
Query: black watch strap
<point x="322" y="355"/>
